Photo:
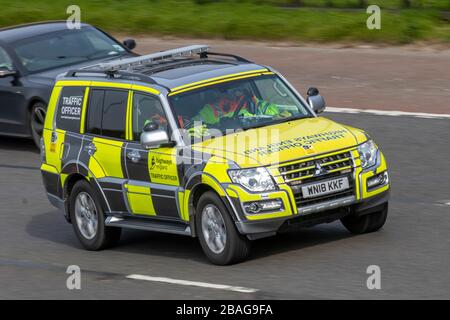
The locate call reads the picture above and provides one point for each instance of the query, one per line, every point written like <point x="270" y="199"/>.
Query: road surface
<point x="37" y="245"/>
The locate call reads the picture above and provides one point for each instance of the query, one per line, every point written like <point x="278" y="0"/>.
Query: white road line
<point x="192" y="283"/>
<point x="389" y="113"/>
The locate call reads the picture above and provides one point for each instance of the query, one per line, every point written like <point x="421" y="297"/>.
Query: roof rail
<point x="152" y="58"/>
<point x="112" y="74"/>
<point x="205" y="55"/>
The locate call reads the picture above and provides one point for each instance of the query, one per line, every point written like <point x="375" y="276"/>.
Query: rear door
<point x="104" y="141"/>
<point x="153" y="178"/>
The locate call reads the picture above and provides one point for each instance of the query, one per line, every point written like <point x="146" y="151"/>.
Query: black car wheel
<point x="367" y="223"/>
<point x="88" y="219"/>
<point x="37" y="119"/>
<point x="220" y="240"/>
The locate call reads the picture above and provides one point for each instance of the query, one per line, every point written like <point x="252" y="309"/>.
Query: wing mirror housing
<point x="153" y="137"/>
<point x="130" y="44"/>
<point x="316" y="101"/>
<point x="7" y="73"/>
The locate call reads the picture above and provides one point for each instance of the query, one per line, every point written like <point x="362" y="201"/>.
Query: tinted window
<point x="95" y="109"/>
<point x="64" y="48"/>
<point x="107" y="113"/>
<point x="70" y="104"/>
<point x="5" y="61"/>
<point x="114" y="114"/>
<point x="146" y="109"/>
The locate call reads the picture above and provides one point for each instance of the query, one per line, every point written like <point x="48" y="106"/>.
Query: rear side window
<point x="95" y="110"/>
<point x="107" y="113"/>
<point x="70" y="104"/>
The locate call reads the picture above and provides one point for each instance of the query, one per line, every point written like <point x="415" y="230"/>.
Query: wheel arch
<point x="31" y="103"/>
<point x="33" y="100"/>
<point x="70" y="182"/>
<point x="198" y="189"/>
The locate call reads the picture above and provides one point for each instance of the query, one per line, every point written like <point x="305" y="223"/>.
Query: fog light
<point x="263" y="206"/>
<point x="378" y="180"/>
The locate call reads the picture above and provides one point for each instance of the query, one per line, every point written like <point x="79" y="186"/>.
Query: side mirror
<point x="152" y="137"/>
<point x="7" y="73"/>
<point x="129" y="43"/>
<point x="316" y="101"/>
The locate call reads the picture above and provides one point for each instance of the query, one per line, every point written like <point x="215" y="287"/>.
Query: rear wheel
<point x="37" y="119"/>
<point x="88" y="219"/>
<point x="217" y="233"/>
<point x="366" y="223"/>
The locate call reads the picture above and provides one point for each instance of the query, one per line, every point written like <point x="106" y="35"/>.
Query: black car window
<point x="107" y="113"/>
<point x="114" y="114"/>
<point x="5" y="60"/>
<point x="95" y="110"/>
<point x="68" y="116"/>
<point x="146" y="109"/>
<point x="65" y="48"/>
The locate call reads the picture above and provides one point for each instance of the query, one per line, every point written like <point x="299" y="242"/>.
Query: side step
<point x="149" y="224"/>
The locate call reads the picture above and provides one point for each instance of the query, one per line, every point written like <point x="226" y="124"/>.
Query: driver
<point x="225" y="106"/>
<point x="233" y="102"/>
<point x="237" y="102"/>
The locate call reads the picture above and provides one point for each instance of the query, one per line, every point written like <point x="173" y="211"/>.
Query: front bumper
<point x="268" y="227"/>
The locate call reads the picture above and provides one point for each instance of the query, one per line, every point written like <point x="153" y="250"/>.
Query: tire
<point x="366" y="223"/>
<point x="37" y="118"/>
<point x="103" y="237"/>
<point x="236" y="247"/>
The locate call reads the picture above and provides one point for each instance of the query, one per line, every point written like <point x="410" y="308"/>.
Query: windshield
<point x="237" y="105"/>
<point x="64" y="48"/>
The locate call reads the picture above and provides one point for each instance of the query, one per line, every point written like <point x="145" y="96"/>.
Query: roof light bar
<point x="152" y="58"/>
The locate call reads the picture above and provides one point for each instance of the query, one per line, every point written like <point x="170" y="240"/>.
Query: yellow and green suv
<point x="203" y="144"/>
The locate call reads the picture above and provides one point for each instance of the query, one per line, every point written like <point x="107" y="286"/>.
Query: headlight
<point x="256" y="179"/>
<point x="368" y="153"/>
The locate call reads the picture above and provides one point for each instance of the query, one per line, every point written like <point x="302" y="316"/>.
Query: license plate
<point x="325" y="187"/>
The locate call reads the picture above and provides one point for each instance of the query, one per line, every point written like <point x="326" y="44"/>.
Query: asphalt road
<point x="37" y="245"/>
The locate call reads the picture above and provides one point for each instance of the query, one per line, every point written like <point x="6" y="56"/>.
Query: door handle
<point x="134" y="156"/>
<point x="91" y="149"/>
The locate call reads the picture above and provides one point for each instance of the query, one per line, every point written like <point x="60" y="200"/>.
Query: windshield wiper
<point x="269" y="123"/>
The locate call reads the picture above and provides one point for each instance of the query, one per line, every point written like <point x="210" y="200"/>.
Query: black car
<point x="31" y="56"/>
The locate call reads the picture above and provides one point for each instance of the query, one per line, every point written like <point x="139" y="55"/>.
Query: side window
<point x="107" y="113"/>
<point x="95" y="112"/>
<point x="114" y="114"/>
<point x="70" y="104"/>
<point x="5" y="60"/>
<point x="146" y="109"/>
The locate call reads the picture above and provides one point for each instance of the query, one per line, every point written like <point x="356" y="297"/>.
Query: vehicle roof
<point x="20" y="32"/>
<point x="180" y="76"/>
<point x="173" y="75"/>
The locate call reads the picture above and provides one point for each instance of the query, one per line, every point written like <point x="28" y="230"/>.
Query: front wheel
<point x="217" y="233"/>
<point x="37" y="119"/>
<point x="366" y="223"/>
<point x="88" y="219"/>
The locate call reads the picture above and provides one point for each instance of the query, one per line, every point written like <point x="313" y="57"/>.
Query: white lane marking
<point x="192" y="283"/>
<point x="390" y="113"/>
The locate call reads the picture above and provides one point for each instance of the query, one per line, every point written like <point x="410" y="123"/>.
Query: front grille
<point x="297" y="174"/>
<point x="299" y="171"/>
